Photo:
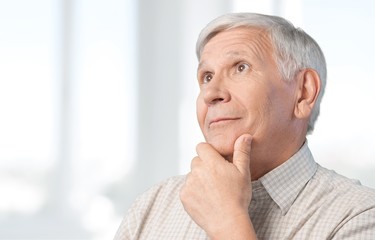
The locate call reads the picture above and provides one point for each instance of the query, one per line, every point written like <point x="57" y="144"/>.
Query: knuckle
<point x="243" y="151"/>
<point x="195" y="162"/>
<point x="188" y="181"/>
<point x="201" y="146"/>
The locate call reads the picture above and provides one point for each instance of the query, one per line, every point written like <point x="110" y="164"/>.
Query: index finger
<point x="207" y="152"/>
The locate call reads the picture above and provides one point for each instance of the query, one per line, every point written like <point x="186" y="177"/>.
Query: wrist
<point x="240" y="228"/>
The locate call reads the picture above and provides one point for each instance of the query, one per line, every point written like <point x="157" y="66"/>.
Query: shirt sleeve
<point x="147" y="207"/>
<point x="133" y="222"/>
<point x="128" y="227"/>
<point x="361" y="227"/>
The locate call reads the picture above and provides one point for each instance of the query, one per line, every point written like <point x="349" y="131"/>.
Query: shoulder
<point x="160" y="193"/>
<point x="170" y="185"/>
<point x="351" y="202"/>
<point x="338" y="197"/>
<point x="336" y="206"/>
<point x="160" y="202"/>
<point x="349" y="190"/>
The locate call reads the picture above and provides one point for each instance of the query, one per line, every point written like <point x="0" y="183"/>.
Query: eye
<point x="207" y="77"/>
<point x="242" y="67"/>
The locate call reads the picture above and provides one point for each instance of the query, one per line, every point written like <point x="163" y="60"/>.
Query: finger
<point x="241" y="153"/>
<point x="195" y="162"/>
<point x="207" y="152"/>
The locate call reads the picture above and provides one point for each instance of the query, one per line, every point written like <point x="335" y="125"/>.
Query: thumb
<point x="241" y="153"/>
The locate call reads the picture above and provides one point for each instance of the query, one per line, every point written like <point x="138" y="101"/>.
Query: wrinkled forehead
<point x="238" y="41"/>
<point x="257" y="33"/>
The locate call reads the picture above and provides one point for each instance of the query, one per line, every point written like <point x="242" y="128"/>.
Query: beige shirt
<point x="297" y="200"/>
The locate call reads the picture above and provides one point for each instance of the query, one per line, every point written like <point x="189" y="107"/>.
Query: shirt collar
<point x="284" y="183"/>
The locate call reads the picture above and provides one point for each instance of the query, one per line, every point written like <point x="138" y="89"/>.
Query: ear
<point x="308" y="82"/>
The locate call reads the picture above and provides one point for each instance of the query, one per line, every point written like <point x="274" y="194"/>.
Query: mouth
<point x="221" y="121"/>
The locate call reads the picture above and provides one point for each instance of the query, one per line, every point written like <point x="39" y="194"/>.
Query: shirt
<point x="297" y="200"/>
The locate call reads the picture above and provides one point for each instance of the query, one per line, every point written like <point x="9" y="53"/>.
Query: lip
<point x="222" y="120"/>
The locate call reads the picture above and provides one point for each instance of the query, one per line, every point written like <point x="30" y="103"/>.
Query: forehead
<point x="237" y="42"/>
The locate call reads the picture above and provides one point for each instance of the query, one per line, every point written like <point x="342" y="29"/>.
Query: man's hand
<point x="217" y="193"/>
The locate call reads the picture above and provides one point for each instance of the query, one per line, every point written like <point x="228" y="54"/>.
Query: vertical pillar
<point x="159" y="76"/>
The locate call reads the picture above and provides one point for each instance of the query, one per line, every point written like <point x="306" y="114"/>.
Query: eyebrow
<point x="232" y="54"/>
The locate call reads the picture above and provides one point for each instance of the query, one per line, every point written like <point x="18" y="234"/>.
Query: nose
<point x="216" y="92"/>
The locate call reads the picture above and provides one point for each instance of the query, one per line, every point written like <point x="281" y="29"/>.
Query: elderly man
<point x="261" y="82"/>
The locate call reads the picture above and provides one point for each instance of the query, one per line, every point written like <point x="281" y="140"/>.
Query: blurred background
<point x="97" y="102"/>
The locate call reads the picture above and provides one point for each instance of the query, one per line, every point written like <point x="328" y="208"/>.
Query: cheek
<point x="201" y="109"/>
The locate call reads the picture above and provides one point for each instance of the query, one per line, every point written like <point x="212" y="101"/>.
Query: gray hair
<point x="294" y="49"/>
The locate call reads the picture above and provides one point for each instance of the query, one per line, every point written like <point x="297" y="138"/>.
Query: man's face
<point x="242" y="91"/>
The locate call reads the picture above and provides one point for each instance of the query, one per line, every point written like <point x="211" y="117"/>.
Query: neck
<point x="265" y="159"/>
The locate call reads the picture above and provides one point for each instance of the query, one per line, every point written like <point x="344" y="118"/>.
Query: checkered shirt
<point x="297" y="200"/>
